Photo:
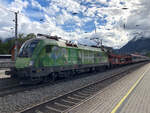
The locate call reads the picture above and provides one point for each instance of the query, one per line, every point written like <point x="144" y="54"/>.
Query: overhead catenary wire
<point x="11" y="10"/>
<point x="6" y="9"/>
<point x="6" y="30"/>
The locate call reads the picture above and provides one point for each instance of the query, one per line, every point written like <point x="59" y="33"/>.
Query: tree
<point x="148" y="54"/>
<point x="31" y="35"/>
<point x="21" y="35"/>
<point x="5" y="47"/>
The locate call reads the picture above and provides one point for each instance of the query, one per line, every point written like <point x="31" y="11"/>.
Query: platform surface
<point x="139" y="99"/>
<point x="130" y="94"/>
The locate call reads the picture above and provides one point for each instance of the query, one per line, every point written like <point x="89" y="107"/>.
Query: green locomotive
<point x="47" y="57"/>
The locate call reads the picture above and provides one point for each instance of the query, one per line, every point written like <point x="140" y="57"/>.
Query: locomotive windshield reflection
<point x="28" y="48"/>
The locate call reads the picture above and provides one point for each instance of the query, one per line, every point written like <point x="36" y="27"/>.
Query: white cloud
<point x="138" y="21"/>
<point x="18" y="5"/>
<point x="69" y="5"/>
<point x="36" y="4"/>
<point x="102" y="1"/>
<point x="136" y="18"/>
<point x="51" y="10"/>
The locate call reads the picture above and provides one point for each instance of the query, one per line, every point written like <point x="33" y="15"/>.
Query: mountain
<point x="136" y="45"/>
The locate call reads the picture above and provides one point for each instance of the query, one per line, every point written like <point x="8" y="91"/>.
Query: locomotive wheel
<point x="54" y="76"/>
<point x="71" y="74"/>
<point x="14" y="76"/>
<point x="46" y="79"/>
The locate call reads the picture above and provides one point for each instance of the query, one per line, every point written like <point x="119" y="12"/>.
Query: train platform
<point x="130" y="94"/>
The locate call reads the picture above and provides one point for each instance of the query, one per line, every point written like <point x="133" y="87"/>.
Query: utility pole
<point x="16" y="34"/>
<point x="101" y="42"/>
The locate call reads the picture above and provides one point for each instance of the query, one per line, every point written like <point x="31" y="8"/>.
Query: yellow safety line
<point x="132" y="88"/>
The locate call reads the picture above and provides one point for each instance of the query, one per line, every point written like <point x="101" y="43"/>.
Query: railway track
<point x="12" y="86"/>
<point x="63" y="103"/>
<point x="9" y="90"/>
<point x="16" y="88"/>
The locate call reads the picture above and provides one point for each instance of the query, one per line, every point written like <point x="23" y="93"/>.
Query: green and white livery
<point x="42" y="57"/>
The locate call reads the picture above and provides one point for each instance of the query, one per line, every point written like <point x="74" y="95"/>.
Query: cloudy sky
<point x="114" y="21"/>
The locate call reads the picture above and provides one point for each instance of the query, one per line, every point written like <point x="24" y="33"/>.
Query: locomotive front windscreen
<point x="27" y="48"/>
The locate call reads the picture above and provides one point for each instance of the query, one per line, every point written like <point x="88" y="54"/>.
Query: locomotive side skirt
<point x="45" y="71"/>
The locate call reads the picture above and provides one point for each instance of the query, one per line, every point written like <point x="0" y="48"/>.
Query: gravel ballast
<point x="23" y="100"/>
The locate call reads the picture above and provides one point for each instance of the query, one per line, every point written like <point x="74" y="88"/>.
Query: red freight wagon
<point x="116" y="60"/>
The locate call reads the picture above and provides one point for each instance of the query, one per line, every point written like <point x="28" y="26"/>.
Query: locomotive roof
<point x="63" y="44"/>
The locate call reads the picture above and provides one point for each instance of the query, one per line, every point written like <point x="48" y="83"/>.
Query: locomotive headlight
<point x="31" y="63"/>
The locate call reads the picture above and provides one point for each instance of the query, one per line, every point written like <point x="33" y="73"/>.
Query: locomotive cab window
<point x="27" y="48"/>
<point x="48" y="49"/>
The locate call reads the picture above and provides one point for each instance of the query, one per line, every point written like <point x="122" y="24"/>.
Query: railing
<point x="5" y="56"/>
<point x="5" y="61"/>
<point x="6" y="64"/>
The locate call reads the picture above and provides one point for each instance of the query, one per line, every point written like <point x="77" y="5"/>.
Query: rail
<point x="5" y="56"/>
<point x="7" y="64"/>
<point x="5" y="61"/>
